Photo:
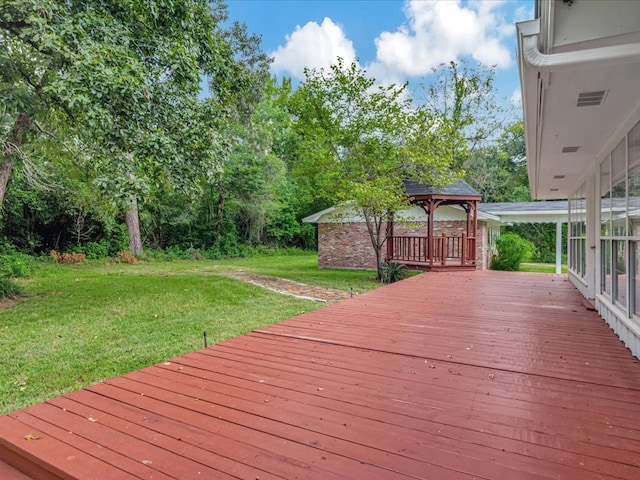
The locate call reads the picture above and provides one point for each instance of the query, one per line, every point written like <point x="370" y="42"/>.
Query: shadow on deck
<point x="488" y="375"/>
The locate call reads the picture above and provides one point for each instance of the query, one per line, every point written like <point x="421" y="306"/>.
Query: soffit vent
<point x="591" y="99"/>
<point x="570" y="149"/>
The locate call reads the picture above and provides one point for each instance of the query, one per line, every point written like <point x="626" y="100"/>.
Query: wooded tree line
<point x="156" y="125"/>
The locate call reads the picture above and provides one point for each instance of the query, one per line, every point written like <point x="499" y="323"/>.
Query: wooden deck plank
<point x="34" y="449"/>
<point x="426" y="399"/>
<point x="383" y="436"/>
<point x="294" y="441"/>
<point x="440" y="435"/>
<point x="9" y="473"/>
<point x="462" y="375"/>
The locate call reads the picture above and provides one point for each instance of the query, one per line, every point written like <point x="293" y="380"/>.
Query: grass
<point x="541" y="267"/>
<point x="81" y="324"/>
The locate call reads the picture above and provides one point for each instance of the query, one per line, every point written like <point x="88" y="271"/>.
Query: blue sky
<point x="394" y="40"/>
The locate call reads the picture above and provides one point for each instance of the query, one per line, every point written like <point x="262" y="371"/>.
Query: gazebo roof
<point x="459" y="189"/>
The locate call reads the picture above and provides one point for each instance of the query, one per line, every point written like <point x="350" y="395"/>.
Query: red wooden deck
<point x="459" y="375"/>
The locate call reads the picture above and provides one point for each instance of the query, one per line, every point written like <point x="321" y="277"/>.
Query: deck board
<point x="460" y="375"/>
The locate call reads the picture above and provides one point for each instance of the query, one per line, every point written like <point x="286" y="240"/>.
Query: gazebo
<point x="447" y="250"/>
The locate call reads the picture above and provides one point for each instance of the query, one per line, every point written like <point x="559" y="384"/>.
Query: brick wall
<point x="347" y="245"/>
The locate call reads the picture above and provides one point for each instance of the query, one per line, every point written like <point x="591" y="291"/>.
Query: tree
<point x="126" y="77"/>
<point x="360" y="141"/>
<point x="499" y="171"/>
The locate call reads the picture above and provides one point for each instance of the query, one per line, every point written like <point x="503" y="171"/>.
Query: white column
<point x="558" y="248"/>
<point x="592" y="275"/>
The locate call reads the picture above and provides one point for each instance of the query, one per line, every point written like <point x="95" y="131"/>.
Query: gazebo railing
<point x="435" y="251"/>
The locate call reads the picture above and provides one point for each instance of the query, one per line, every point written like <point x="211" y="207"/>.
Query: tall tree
<point x="361" y="140"/>
<point x="126" y="75"/>
<point x="499" y="170"/>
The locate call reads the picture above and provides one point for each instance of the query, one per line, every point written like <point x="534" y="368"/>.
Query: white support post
<point x="558" y="248"/>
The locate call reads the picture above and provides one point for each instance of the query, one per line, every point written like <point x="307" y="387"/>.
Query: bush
<point x="512" y="251"/>
<point x="393" y="272"/>
<point x="67" y="257"/>
<point x="9" y="288"/>
<point x="15" y="265"/>
<point x="125" y="256"/>
<point x="97" y="250"/>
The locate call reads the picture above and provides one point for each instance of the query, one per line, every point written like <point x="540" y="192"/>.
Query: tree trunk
<point x="11" y="150"/>
<point x="374" y="224"/>
<point x="133" y="229"/>
<point x="5" y="171"/>
<point x="219" y="214"/>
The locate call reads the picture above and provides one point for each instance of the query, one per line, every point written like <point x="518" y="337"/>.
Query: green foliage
<point x="360" y="141"/>
<point x="393" y="272"/>
<point x="499" y="170"/>
<point x="543" y="236"/>
<point x="15" y="265"/>
<point x="512" y="250"/>
<point x="9" y="288"/>
<point x="121" y="91"/>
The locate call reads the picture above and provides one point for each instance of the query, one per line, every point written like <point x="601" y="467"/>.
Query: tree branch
<point x="42" y="130"/>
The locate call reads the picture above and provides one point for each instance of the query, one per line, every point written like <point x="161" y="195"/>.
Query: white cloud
<point x="313" y="46"/>
<point x="441" y="31"/>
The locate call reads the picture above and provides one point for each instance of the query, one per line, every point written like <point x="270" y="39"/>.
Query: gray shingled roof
<point x="459" y="189"/>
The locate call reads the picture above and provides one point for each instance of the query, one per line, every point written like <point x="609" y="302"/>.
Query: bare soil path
<point x="289" y="287"/>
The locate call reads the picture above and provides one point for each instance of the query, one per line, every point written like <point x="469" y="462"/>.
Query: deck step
<point x="7" y="472"/>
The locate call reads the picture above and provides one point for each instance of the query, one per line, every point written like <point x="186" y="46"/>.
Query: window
<point x="578" y="233"/>
<point x="634" y="271"/>
<point x="619" y="224"/>
<point x="619" y="281"/>
<point x="619" y="190"/>
<point x="605" y="226"/>
<point x="605" y="281"/>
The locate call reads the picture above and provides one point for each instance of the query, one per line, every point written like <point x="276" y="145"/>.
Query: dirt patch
<point x="289" y="287"/>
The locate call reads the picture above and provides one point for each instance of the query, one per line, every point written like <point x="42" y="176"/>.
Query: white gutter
<point x="601" y="56"/>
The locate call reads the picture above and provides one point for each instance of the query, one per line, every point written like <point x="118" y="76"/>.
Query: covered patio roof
<point x="528" y="212"/>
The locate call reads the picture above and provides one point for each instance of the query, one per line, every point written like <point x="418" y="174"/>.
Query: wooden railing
<point x="435" y="251"/>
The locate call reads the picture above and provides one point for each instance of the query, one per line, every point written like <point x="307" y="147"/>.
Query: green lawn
<point x="81" y="324"/>
<point x="541" y="267"/>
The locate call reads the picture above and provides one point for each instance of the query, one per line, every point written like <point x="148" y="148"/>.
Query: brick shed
<point x="343" y="240"/>
<point x="441" y="229"/>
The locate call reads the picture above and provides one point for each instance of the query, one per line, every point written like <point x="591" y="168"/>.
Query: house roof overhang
<point x="552" y="78"/>
<point x="493" y="213"/>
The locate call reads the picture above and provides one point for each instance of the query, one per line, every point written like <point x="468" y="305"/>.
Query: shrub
<point x="97" y="250"/>
<point x="125" y="256"/>
<point x="512" y="251"/>
<point x="15" y="265"/>
<point x="393" y="272"/>
<point x="68" y="257"/>
<point x="9" y="288"/>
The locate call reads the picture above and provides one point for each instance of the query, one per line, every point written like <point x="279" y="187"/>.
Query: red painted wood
<point x="458" y="375"/>
<point x="7" y="472"/>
